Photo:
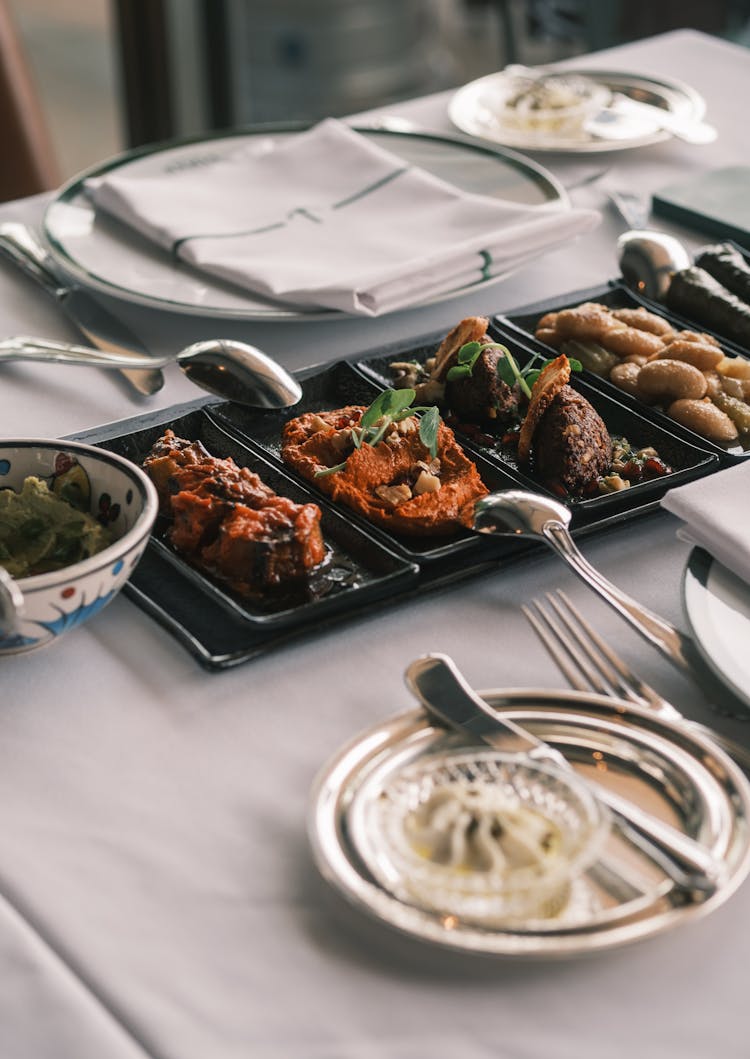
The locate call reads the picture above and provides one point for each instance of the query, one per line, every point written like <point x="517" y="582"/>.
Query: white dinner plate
<point x="717" y="604"/>
<point x="475" y="109"/>
<point x="99" y="252"/>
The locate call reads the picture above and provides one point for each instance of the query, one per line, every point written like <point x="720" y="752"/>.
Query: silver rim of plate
<point x="470" y="110"/>
<point x="717" y="606"/>
<point x="104" y="255"/>
<point x="668" y="769"/>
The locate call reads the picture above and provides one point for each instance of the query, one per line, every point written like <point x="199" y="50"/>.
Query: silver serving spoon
<point x="517" y="513"/>
<point x="222" y="366"/>
<point x="624" y="118"/>
<point x="648" y="259"/>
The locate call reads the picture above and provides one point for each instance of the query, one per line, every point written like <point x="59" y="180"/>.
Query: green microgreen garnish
<point x="507" y="367"/>
<point x="389" y="407"/>
<point x="468" y="355"/>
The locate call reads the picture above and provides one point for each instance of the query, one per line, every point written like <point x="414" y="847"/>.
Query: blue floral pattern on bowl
<point x="116" y="492"/>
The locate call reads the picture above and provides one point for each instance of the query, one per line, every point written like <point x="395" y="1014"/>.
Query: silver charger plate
<point x="717" y="605"/>
<point x="103" y="254"/>
<point x="670" y="770"/>
<point x="471" y="109"/>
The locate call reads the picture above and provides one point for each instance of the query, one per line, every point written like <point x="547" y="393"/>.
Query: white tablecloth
<point x="157" y="896"/>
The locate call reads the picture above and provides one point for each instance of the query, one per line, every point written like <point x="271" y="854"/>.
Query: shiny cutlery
<point x="19" y="245"/>
<point x="624" y="118"/>
<point x="589" y="663"/>
<point x="517" y="513"/>
<point x="448" y="699"/>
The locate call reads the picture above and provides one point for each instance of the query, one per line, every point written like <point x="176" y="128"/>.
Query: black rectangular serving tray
<point x="616" y="295"/>
<point x="336" y="386"/>
<point x="687" y="460"/>
<point x="357" y="564"/>
<point x="222" y="630"/>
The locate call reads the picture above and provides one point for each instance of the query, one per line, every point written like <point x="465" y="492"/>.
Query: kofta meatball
<point x="571" y="445"/>
<point x="482" y="397"/>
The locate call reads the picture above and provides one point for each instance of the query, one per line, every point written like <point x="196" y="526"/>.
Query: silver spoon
<point x="517" y="513"/>
<point x="624" y="118"/>
<point x="648" y="259"/>
<point x="222" y="366"/>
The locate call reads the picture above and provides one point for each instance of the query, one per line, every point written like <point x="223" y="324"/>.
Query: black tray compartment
<point x="615" y="295"/>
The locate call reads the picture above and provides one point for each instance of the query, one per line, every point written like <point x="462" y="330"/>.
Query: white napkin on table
<point x="330" y="219"/>
<point x="716" y="513"/>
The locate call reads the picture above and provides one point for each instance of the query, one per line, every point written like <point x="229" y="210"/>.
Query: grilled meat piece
<point x="571" y="445"/>
<point x="482" y="397"/>
<point x="228" y="522"/>
<point x="174" y="465"/>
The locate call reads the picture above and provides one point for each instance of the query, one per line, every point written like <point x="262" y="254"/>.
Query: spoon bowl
<point x="648" y="259"/>
<point x="240" y="373"/>
<point x="230" y="369"/>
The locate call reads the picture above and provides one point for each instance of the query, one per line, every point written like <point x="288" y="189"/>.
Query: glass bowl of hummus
<point x="74" y="521"/>
<point x="555" y="105"/>
<point x="489" y="838"/>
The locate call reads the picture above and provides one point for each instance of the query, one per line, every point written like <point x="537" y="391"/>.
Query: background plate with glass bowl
<point x="546" y="109"/>
<point x="74" y="521"/>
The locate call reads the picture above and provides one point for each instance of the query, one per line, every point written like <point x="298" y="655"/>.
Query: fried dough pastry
<point x="636" y="334"/>
<point x="471" y="329"/>
<point x="395" y="484"/>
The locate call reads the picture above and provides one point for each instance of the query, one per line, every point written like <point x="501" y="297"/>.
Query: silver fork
<point x="588" y="663"/>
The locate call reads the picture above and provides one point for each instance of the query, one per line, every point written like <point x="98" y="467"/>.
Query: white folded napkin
<point x="329" y="219"/>
<point x="716" y="513"/>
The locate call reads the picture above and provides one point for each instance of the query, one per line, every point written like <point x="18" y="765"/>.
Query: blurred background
<point x="97" y="76"/>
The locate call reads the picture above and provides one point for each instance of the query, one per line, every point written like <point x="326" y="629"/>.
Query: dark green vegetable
<point x="727" y="265"/>
<point x="698" y="296"/>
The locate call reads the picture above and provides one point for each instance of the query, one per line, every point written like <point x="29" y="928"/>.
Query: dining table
<point x="158" y="894"/>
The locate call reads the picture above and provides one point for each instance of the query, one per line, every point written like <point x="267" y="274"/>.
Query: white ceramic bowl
<point x="121" y="497"/>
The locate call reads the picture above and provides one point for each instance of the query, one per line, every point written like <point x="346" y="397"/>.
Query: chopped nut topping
<point x="316" y="424"/>
<point x="613" y="483"/>
<point x="426" y="483"/>
<point x="408" y="425"/>
<point x="394" y="494"/>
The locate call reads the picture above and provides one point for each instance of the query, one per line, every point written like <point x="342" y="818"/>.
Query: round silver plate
<point x="668" y="769"/>
<point x="471" y="109"/>
<point x="105" y="255"/>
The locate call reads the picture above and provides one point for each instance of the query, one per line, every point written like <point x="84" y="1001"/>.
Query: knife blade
<point x="19" y="245"/>
<point x="447" y="698"/>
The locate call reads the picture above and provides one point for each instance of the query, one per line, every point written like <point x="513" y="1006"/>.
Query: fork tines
<point x="586" y="661"/>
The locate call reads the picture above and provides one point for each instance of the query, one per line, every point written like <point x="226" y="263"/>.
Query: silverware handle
<point x="25" y="348"/>
<point x="687" y="862"/>
<point x="19" y="245"/>
<point x="658" y="631"/>
<point x="11" y="604"/>
<point x="691" y="129"/>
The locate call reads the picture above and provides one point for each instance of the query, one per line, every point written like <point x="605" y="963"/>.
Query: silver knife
<point x="447" y="698"/>
<point x="19" y="244"/>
